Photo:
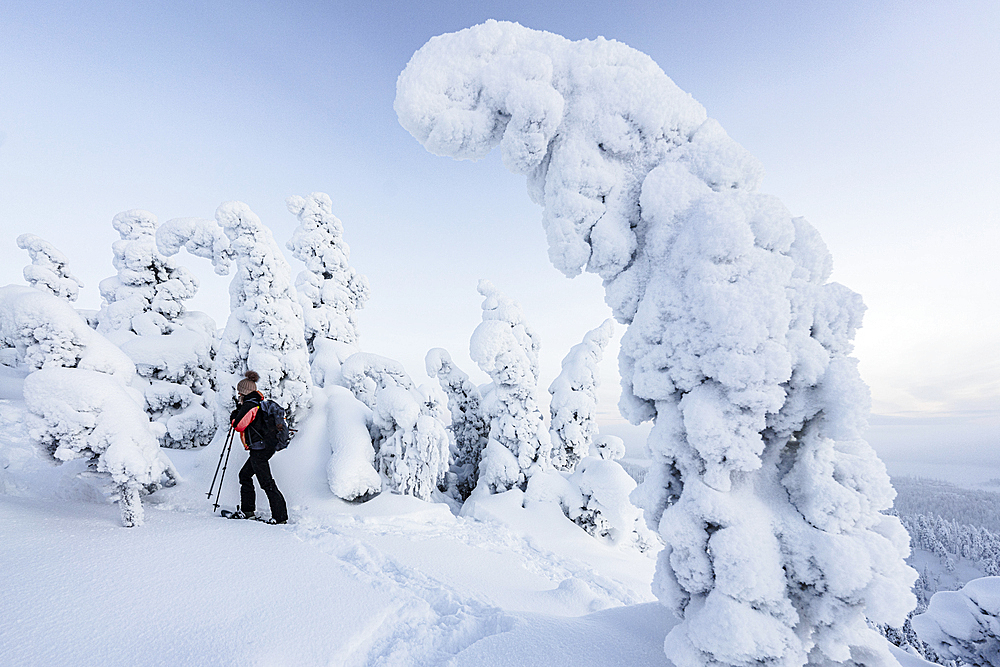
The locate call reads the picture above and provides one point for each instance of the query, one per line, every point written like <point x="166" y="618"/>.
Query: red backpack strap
<point x="246" y="420"/>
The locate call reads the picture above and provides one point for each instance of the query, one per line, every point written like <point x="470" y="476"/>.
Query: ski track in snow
<point x="432" y="622"/>
<point x="534" y="558"/>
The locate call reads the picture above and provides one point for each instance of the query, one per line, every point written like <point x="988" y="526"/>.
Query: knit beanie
<point x="247" y="385"/>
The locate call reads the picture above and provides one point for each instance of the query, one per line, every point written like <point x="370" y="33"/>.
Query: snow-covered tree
<point x="79" y="395"/>
<point x="769" y="500"/>
<point x="265" y="330"/>
<point x="172" y="348"/>
<point x="410" y="439"/>
<point x="469" y="426"/>
<point x="595" y="496"/>
<point x="964" y="625"/>
<point x="49" y="268"/>
<point x="574" y="399"/>
<point x="329" y="290"/>
<point x="506" y="349"/>
<point x="606" y="510"/>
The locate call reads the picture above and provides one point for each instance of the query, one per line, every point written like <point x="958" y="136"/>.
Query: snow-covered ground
<point x="394" y="581"/>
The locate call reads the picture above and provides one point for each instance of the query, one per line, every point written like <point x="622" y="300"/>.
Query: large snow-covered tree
<point x="469" y="426"/>
<point x="172" y="348"/>
<point x="769" y="500"/>
<point x="49" y="268"/>
<point x="506" y="349"/>
<point x="574" y="399"/>
<point x="329" y="290"/>
<point x="410" y="439"/>
<point x="265" y="331"/>
<point x="80" y="397"/>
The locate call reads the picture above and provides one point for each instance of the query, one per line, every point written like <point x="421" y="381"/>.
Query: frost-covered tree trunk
<point x="767" y="496"/>
<point x="49" y="268"/>
<point x="411" y="442"/>
<point x="329" y="290"/>
<point x="265" y="330"/>
<point x="468" y="426"/>
<point x="507" y="350"/>
<point x="574" y="399"/>
<point x="79" y="395"/>
<point x="172" y="348"/>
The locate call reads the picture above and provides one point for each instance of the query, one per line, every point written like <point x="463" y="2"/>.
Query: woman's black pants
<point x="258" y="465"/>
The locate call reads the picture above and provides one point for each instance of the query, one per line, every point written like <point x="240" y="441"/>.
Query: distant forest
<point x="947" y="501"/>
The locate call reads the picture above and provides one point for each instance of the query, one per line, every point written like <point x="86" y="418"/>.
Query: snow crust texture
<point x="737" y="347"/>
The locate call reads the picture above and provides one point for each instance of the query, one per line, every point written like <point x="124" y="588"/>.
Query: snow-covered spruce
<point x="172" y="348"/>
<point x="329" y="290"/>
<point x="469" y="426"/>
<point x="598" y="483"/>
<point x="49" y="268"/>
<point x="738" y="346"/>
<point x="574" y="399"/>
<point x="265" y="330"/>
<point x="606" y="509"/>
<point x="964" y="625"/>
<point x="79" y="395"/>
<point x="596" y="497"/>
<point x="506" y="349"/>
<point x="411" y="439"/>
<point x="951" y="541"/>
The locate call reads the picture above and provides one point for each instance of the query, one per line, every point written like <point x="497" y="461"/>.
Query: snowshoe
<point x="238" y="514"/>
<point x="272" y="521"/>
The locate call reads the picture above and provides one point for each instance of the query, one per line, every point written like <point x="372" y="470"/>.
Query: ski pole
<point x="225" y="444"/>
<point x="224" y="466"/>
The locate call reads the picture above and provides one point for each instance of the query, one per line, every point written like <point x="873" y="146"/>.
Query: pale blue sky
<point x="875" y="120"/>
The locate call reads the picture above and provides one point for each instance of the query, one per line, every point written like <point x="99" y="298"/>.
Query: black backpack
<point x="273" y="426"/>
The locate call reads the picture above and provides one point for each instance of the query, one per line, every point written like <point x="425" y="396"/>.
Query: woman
<point x="250" y="419"/>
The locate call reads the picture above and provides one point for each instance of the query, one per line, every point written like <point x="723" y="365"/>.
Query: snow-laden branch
<point x="200" y="237"/>
<point x="49" y="268"/>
